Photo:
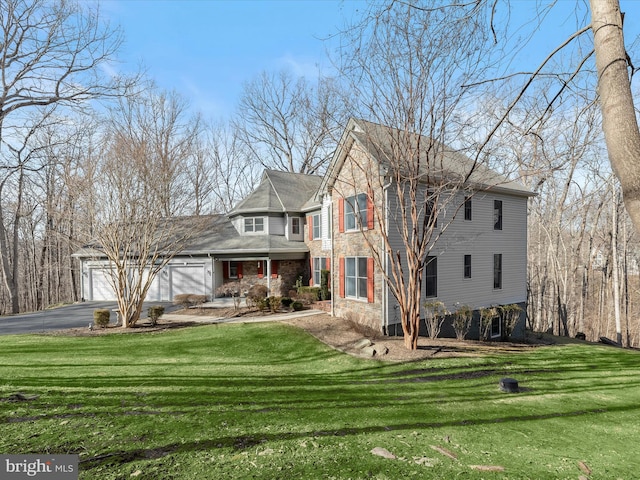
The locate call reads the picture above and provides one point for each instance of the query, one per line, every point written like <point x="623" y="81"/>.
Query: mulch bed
<point x="333" y="331"/>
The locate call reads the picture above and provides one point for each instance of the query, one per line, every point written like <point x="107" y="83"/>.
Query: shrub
<point x="256" y="295"/>
<point x="297" y="306"/>
<point x="196" y="300"/>
<point x="154" y="313"/>
<point x="274" y="303"/>
<point x="311" y="293"/>
<point x="486" y="317"/>
<point x="435" y="313"/>
<point x="286" y="302"/>
<point x="462" y="321"/>
<point x="187" y="300"/>
<point x="230" y="289"/>
<point x="325" y="294"/>
<point x="101" y="317"/>
<point x="510" y="317"/>
<point x="182" y="300"/>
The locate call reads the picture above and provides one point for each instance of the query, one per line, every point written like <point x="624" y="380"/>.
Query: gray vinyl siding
<point x="478" y="238"/>
<point x="289" y="226"/>
<point x="276" y="225"/>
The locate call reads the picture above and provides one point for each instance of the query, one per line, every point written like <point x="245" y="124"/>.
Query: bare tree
<point x="289" y="123"/>
<point x="51" y="54"/>
<point x="159" y="125"/>
<point x="406" y="67"/>
<point x="131" y="229"/>
<point x="619" y="120"/>
<point x="231" y="170"/>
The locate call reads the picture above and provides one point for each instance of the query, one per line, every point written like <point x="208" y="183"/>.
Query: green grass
<point x="267" y="401"/>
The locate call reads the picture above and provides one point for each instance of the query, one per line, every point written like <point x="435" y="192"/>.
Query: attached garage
<point x="175" y="279"/>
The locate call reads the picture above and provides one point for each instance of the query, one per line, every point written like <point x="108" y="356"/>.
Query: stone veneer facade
<point x="281" y="284"/>
<point x="358" y="175"/>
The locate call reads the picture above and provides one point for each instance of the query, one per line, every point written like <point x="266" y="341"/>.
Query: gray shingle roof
<point x="224" y="239"/>
<point x="279" y="192"/>
<point x="220" y="238"/>
<point x="437" y="160"/>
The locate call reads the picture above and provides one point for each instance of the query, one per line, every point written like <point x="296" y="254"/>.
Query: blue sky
<point x="206" y="49"/>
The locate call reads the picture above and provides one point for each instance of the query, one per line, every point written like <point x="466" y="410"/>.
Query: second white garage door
<point x="186" y="279"/>
<point x="100" y="285"/>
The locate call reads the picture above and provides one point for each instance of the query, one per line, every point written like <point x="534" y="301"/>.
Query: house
<point x="260" y="242"/>
<point x="479" y="259"/>
<point x="294" y="226"/>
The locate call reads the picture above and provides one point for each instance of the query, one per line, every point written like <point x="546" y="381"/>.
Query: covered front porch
<point x="235" y="275"/>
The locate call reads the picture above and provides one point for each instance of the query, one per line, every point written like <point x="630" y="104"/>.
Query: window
<point x="431" y="277"/>
<point x="467" y="208"/>
<point x="356" y="277"/>
<point x="319" y="264"/>
<point x="254" y="224"/>
<point x="432" y="213"/>
<point x="467" y="266"/>
<point x="233" y="269"/>
<point x="317" y="226"/>
<point x="495" y="327"/>
<point x="497" y="270"/>
<point x="355" y="211"/>
<point x="295" y="225"/>
<point x="263" y="268"/>
<point x="497" y="214"/>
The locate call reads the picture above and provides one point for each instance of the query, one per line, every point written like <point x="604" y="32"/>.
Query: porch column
<point x="269" y="275"/>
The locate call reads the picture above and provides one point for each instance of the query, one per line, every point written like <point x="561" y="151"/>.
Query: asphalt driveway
<point x="70" y="316"/>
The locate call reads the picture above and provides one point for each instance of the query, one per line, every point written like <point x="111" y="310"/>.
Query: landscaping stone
<point x="369" y="351"/>
<point x="384" y="453"/>
<point x="365" y="342"/>
<point x="487" y="468"/>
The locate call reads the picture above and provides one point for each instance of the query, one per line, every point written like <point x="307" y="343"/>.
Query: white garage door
<point x="187" y="279"/>
<point x="100" y="287"/>
<point x="153" y="294"/>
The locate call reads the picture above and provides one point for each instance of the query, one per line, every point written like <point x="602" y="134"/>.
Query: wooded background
<point x="70" y="136"/>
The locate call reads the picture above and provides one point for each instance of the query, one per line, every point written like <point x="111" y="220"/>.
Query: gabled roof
<point x="279" y="192"/>
<point x="437" y="160"/>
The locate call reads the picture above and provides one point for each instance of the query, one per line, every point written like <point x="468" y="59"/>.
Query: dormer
<point x="275" y="207"/>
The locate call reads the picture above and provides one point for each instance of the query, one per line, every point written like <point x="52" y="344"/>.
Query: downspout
<point x="333" y="264"/>
<point x="269" y="275"/>
<point x="82" y="273"/>
<point x="213" y="276"/>
<point x="385" y="290"/>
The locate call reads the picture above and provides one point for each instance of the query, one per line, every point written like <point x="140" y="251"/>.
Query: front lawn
<point x="268" y="401"/>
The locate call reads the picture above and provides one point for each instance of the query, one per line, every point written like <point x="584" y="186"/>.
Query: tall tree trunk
<point x="619" y="121"/>
<point x="9" y="250"/>
<point x="615" y="266"/>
